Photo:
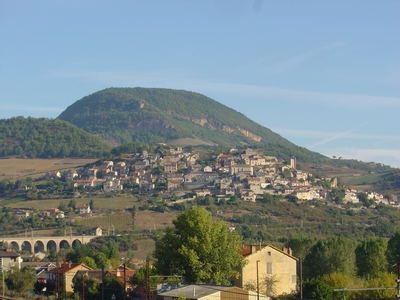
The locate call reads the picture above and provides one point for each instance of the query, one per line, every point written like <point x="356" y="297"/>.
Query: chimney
<point x="253" y="248"/>
<point x="290" y="251"/>
<point x="194" y="291"/>
<point x="69" y="264"/>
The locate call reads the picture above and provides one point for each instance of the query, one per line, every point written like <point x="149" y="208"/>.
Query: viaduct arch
<point x="44" y="243"/>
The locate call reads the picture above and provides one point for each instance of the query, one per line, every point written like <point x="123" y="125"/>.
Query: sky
<point x="323" y="74"/>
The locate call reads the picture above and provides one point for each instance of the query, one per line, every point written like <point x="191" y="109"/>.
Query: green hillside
<point x="47" y="138"/>
<point x="154" y="115"/>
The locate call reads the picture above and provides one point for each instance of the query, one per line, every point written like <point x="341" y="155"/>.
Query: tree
<point x="91" y="287"/>
<point x="336" y="254"/>
<point x="370" y="257"/>
<point x="110" y="249"/>
<point x="199" y="249"/>
<point x="383" y="279"/>
<point x="393" y="249"/>
<point x="317" y="288"/>
<point x="91" y="204"/>
<point x="22" y="280"/>
<point x="112" y="286"/>
<point x="72" y="204"/>
<point x="90" y="262"/>
<point x="365" y="200"/>
<point x="301" y="244"/>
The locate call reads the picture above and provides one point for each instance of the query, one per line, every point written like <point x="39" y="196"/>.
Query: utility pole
<point x="147" y="279"/>
<point x="124" y="280"/>
<point x="301" y="277"/>
<point x="258" y="286"/>
<point x="2" y="275"/>
<point x="398" y="281"/>
<point x="57" y="279"/>
<point x="102" y="282"/>
<point x="83" y="288"/>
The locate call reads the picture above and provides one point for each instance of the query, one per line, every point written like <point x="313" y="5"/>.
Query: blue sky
<point x="323" y="74"/>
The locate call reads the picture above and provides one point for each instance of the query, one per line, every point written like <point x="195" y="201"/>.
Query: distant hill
<point x="155" y="115"/>
<point x="48" y="138"/>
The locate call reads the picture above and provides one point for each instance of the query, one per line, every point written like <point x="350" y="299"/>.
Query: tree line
<point x="47" y="138"/>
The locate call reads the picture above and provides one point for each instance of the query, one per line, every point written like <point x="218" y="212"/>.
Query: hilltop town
<point x="245" y="175"/>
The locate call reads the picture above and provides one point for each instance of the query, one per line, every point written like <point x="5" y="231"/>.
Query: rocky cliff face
<point x="153" y="125"/>
<point x="216" y="124"/>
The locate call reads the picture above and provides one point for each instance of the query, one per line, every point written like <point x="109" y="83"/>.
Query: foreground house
<point x="61" y="277"/>
<point x="123" y="274"/>
<point x="275" y="269"/>
<point x="208" y="292"/>
<point x="9" y="259"/>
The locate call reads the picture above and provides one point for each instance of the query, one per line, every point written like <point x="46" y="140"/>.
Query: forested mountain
<point x="154" y="115"/>
<point x="47" y="138"/>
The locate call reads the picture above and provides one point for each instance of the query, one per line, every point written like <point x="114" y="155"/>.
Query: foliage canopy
<point x="199" y="249"/>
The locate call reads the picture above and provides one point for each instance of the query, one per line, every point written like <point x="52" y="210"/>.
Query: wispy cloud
<point x="387" y="156"/>
<point x="358" y="101"/>
<point x="183" y="79"/>
<point x="292" y="62"/>
<point x="328" y="144"/>
<point x="281" y="65"/>
<point x="325" y="135"/>
<point x="331" y="138"/>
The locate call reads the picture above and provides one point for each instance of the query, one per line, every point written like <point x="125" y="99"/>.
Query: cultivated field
<point x="332" y="171"/>
<point x="144" y="222"/>
<point x="14" y="168"/>
<point x="115" y="203"/>
<point x="145" y="246"/>
<point x="118" y="222"/>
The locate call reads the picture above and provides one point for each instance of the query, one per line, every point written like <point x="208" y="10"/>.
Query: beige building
<point x="241" y="168"/>
<point x="275" y="269"/>
<point x="62" y="275"/>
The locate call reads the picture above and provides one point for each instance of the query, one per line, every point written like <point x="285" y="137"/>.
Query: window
<point x="269" y="253"/>
<point x="269" y="267"/>
<point x="294" y="278"/>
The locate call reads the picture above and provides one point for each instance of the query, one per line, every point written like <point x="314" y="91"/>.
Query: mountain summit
<point x="155" y="115"/>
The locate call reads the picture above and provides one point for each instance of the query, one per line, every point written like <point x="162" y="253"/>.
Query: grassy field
<point x="14" y="168"/>
<point x="363" y="180"/>
<point x="116" y="203"/>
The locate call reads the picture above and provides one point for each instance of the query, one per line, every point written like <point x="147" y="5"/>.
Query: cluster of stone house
<point x="81" y="209"/>
<point x="247" y="175"/>
<point x="351" y="197"/>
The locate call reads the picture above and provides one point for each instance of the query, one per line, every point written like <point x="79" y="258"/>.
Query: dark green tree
<point x="91" y="204"/>
<point x="72" y="204"/>
<point x="393" y="249"/>
<point x="316" y="288"/>
<point x="22" y="280"/>
<point x="336" y="254"/>
<point x="370" y="257"/>
<point x="301" y="244"/>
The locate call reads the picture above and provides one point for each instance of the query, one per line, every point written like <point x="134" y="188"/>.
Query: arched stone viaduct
<point x="36" y="244"/>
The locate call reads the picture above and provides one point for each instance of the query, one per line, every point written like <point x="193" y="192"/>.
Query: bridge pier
<point x="45" y="243"/>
